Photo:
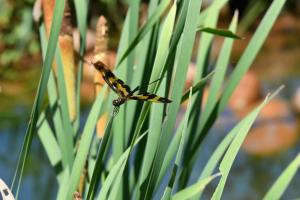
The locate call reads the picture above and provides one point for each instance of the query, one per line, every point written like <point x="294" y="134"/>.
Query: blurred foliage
<point x="294" y="6"/>
<point x="18" y="38"/>
<point x="18" y="33"/>
<point x="246" y="5"/>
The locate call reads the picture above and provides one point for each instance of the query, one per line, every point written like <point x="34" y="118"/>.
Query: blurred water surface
<point x="250" y="176"/>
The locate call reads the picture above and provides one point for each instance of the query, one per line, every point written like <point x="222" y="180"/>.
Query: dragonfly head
<point x="118" y="102"/>
<point x="99" y="65"/>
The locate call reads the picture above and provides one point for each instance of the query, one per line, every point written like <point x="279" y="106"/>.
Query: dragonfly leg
<point x="138" y="87"/>
<point x="134" y="90"/>
<point x="116" y="110"/>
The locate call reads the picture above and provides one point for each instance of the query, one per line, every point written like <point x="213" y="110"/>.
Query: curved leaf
<point x="283" y="180"/>
<point x="220" y="32"/>
<point x="194" y="189"/>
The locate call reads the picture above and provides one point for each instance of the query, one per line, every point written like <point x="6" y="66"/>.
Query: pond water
<point x="250" y="176"/>
<point x="39" y="178"/>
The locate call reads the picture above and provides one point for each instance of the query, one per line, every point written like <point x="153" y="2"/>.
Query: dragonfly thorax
<point x="118" y="101"/>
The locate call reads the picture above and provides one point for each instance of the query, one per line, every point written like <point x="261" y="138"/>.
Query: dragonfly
<point x="124" y="92"/>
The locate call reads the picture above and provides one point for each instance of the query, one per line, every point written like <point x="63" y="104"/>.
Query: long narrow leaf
<point x="241" y="68"/>
<point x="241" y="132"/>
<point x="194" y="189"/>
<point x="98" y="165"/>
<point x="49" y="141"/>
<point x="115" y="170"/>
<point x="150" y="22"/>
<point x="252" y="50"/>
<point x="85" y="142"/>
<point x="184" y="55"/>
<point x="280" y="185"/>
<point x="215" y="158"/>
<point x="157" y="110"/>
<point x="144" y="48"/>
<point x="64" y="107"/>
<point x="218" y="78"/>
<point x="81" y="8"/>
<point x="55" y="28"/>
<point x="53" y="98"/>
<point x="220" y="32"/>
<point x="201" y="68"/>
<point x="125" y="71"/>
<point x="197" y="86"/>
<point x="178" y="159"/>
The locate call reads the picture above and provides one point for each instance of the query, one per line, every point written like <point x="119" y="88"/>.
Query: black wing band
<point x="114" y="83"/>
<point x="150" y="97"/>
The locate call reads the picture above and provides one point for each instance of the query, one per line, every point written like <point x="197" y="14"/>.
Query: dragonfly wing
<point x="123" y="89"/>
<point x="114" y="83"/>
<point x="150" y="97"/>
<point x="109" y="79"/>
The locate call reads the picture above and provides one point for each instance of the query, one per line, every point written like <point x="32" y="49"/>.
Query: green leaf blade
<point x="194" y="189"/>
<point x="281" y="184"/>
<point x="220" y="32"/>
